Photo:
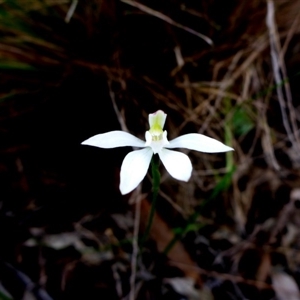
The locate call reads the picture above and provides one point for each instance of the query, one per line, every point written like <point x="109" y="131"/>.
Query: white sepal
<point x="134" y="168"/>
<point x="157" y="119"/>
<point x="114" y="139"/>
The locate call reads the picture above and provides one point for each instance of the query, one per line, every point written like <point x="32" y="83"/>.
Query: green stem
<point x="155" y="190"/>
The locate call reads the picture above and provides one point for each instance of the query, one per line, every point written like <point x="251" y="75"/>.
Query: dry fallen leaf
<point x="285" y="286"/>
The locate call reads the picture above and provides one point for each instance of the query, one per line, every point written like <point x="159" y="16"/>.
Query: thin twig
<point x="288" y="92"/>
<point x="224" y="85"/>
<point x="174" y="205"/>
<point x="284" y="215"/>
<point x="167" y="19"/>
<point x="275" y="50"/>
<point x="137" y="196"/>
<point x="71" y="11"/>
<point x="267" y="142"/>
<point x="135" y="246"/>
<point x="224" y="276"/>
<point x="120" y="116"/>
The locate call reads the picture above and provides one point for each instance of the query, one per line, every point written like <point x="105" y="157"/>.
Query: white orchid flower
<point x="136" y="163"/>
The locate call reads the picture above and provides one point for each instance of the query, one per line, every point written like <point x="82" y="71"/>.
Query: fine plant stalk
<point x="155" y="190"/>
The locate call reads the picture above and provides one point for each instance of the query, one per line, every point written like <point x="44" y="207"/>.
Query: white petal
<point x="177" y="164"/>
<point x="198" y="142"/>
<point x="134" y="168"/>
<point x="114" y="139"/>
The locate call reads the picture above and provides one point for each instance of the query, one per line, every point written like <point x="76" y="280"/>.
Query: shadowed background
<point x="73" y="69"/>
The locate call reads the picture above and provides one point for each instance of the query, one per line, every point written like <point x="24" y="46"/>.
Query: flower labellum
<point x="136" y="163"/>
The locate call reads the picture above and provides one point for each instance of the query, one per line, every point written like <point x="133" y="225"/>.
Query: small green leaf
<point x="223" y="184"/>
<point x="4" y="296"/>
<point x="16" y="65"/>
<point x="241" y="122"/>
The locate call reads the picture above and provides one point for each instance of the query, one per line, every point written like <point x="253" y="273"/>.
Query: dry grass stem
<point x="278" y="66"/>
<point x="167" y="19"/>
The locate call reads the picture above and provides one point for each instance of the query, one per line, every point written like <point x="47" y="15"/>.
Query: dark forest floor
<point x="73" y="69"/>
